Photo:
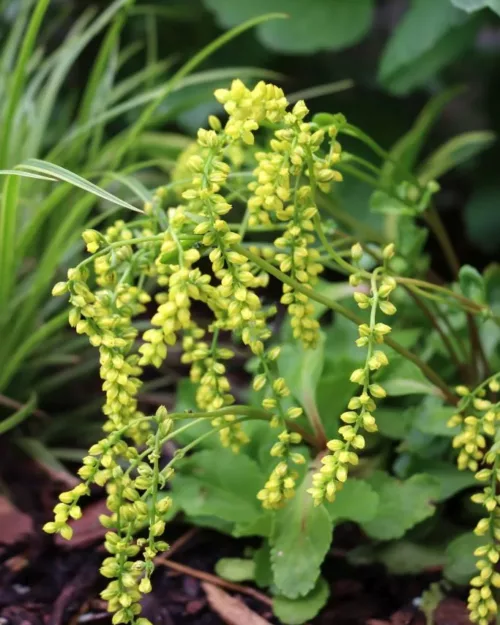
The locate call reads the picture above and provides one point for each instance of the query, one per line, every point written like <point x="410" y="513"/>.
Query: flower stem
<point x="345" y="312"/>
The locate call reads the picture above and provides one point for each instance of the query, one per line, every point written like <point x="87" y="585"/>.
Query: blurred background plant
<point x="115" y="91"/>
<point x="77" y="92"/>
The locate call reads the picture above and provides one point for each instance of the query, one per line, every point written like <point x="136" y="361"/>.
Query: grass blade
<point x="46" y="105"/>
<point x="31" y="343"/>
<point x="64" y="175"/>
<point x="8" y="223"/>
<point x="18" y="417"/>
<point x="19" y="78"/>
<point x="153" y="95"/>
<point x="186" y="69"/>
<point x="321" y="90"/>
<point x="25" y="174"/>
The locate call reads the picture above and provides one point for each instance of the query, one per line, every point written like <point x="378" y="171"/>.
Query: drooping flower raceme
<point x="170" y="245"/>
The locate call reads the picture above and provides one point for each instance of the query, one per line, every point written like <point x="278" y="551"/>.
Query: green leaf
<point x="394" y="422"/>
<point x="235" y="569"/>
<point x="476" y="5"/>
<point x="482" y="219"/>
<point x="221" y="484"/>
<point x="340" y="346"/>
<point x="262" y="526"/>
<point x="302" y="537"/>
<point x="320" y="25"/>
<point x="451" y="481"/>
<point x="302" y="369"/>
<point x="472" y="284"/>
<point x="357" y="501"/>
<point x="298" y="611"/>
<point x="382" y="202"/>
<point x="329" y="119"/>
<point x="263" y="570"/>
<point x="449" y="478"/>
<point x="403" y="377"/>
<point x="185" y="401"/>
<point x="430" y="36"/>
<point x="431" y="417"/>
<point x="406" y="150"/>
<point x="492" y="286"/>
<point x="401" y="557"/>
<point x="332" y="396"/>
<point x="453" y="153"/>
<point x="460" y="563"/>
<point x="402" y="504"/>
<point x="411" y="240"/>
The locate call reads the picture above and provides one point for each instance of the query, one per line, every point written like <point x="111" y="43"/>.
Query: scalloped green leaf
<point x="477" y="5"/>
<point x="430" y="36"/>
<point x="235" y="569"/>
<point x="403" y="377"/>
<point x="218" y="483"/>
<point x="460" y="563"/>
<point x="301" y="539"/>
<point x="357" y="501"/>
<point x="319" y="25"/>
<point x="302" y="370"/>
<point x="402" y="504"/>
<point x="472" y="284"/>
<point x="298" y="611"/>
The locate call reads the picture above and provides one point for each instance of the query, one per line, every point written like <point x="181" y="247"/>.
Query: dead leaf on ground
<point x="231" y="610"/>
<point x="451" y="611"/>
<point x="87" y="529"/>
<point x="14" y="523"/>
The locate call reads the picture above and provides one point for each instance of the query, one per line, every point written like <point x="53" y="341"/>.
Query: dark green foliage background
<point x="398" y="53"/>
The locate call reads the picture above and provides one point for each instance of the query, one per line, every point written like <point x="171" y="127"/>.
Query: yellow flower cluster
<point x="344" y="451"/>
<point x="106" y="318"/>
<point x="168" y="246"/>
<point x="130" y="492"/>
<point x="281" y="483"/>
<point x="479" y="419"/>
<point x="294" y="158"/>
<point x="280" y="487"/>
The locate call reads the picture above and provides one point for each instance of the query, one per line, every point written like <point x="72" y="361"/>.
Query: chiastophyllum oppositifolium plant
<point x="81" y="133"/>
<point x="311" y="442"/>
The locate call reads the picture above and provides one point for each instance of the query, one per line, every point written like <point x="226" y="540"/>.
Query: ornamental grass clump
<point x="280" y="166"/>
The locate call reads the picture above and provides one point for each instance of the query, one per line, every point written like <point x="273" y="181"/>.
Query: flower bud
<point x="388" y="251"/>
<point x="358" y="376"/>
<point x="377" y="391"/>
<point x="356" y="251"/>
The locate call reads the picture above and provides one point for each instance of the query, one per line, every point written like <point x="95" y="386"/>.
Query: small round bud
<point x="389" y="251"/>
<point x="60" y="289"/>
<point x="356" y="251"/>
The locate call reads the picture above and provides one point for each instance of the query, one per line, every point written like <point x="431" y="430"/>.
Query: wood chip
<point x="14" y="523"/>
<point x="231" y="610"/>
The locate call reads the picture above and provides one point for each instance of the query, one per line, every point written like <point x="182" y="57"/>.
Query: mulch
<point x="44" y="581"/>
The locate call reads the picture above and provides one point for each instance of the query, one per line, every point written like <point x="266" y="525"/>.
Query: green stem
<point x="365" y="231"/>
<point x="362" y="161"/>
<point x="477" y="354"/>
<point x="360" y="175"/>
<point x="317" y="221"/>
<point x="444" y="338"/>
<point x="422" y="284"/>
<point x="154" y="486"/>
<point x="345" y="312"/>
<point x="434" y="220"/>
